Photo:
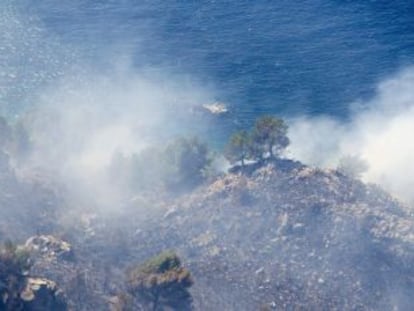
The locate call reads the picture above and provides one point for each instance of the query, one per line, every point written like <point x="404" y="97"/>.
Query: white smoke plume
<point x="380" y="132"/>
<point x="80" y="113"/>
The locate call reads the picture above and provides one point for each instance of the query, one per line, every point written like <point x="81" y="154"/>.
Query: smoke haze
<point x="80" y="115"/>
<point x="379" y="132"/>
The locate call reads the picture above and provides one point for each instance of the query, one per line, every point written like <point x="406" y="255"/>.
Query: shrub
<point x="162" y="282"/>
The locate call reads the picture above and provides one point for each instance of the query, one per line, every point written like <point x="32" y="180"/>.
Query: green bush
<point x="162" y="282"/>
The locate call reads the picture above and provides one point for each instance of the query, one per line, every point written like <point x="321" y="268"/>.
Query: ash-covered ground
<point x="276" y="236"/>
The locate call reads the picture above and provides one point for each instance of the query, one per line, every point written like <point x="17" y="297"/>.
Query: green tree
<point x="238" y="148"/>
<point x="162" y="282"/>
<point x="180" y="165"/>
<point x="184" y="163"/>
<point x="269" y="137"/>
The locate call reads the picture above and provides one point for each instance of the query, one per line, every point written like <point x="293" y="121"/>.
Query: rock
<point x="41" y="294"/>
<point x="50" y="247"/>
<point x="310" y="223"/>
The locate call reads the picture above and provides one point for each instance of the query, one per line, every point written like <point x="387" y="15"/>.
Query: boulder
<point x="50" y="247"/>
<point x="41" y="294"/>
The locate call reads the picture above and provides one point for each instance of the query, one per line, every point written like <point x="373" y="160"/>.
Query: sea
<point x="282" y="57"/>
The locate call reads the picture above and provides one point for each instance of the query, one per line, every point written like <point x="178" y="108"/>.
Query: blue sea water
<point x="284" y="57"/>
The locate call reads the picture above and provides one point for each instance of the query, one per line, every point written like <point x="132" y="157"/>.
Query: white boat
<point x="216" y="108"/>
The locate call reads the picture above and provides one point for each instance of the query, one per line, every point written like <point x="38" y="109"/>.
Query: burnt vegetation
<point x="270" y="234"/>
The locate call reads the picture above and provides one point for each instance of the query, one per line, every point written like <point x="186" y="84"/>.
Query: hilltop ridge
<point x="280" y="235"/>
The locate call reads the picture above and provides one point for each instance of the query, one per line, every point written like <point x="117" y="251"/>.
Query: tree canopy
<point x="267" y="138"/>
<point x="238" y="148"/>
<point x="179" y="165"/>
<point x="271" y="134"/>
<point x="185" y="161"/>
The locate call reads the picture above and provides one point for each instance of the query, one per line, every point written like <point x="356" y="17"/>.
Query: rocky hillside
<point x="282" y="236"/>
<point x="293" y="237"/>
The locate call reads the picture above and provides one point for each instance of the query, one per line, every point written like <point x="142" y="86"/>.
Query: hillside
<point x="282" y="236"/>
<point x="294" y="237"/>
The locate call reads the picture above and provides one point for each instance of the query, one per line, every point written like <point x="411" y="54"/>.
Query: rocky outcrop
<point x="19" y="290"/>
<point x="50" y="248"/>
<point x="41" y="294"/>
<point x="53" y="258"/>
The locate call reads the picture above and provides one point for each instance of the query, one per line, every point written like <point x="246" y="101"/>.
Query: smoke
<point x="106" y="114"/>
<point x="78" y="125"/>
<point x="81" y="115"/>
<point x="78" y="112"/>
<point x="379" y="132"/>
